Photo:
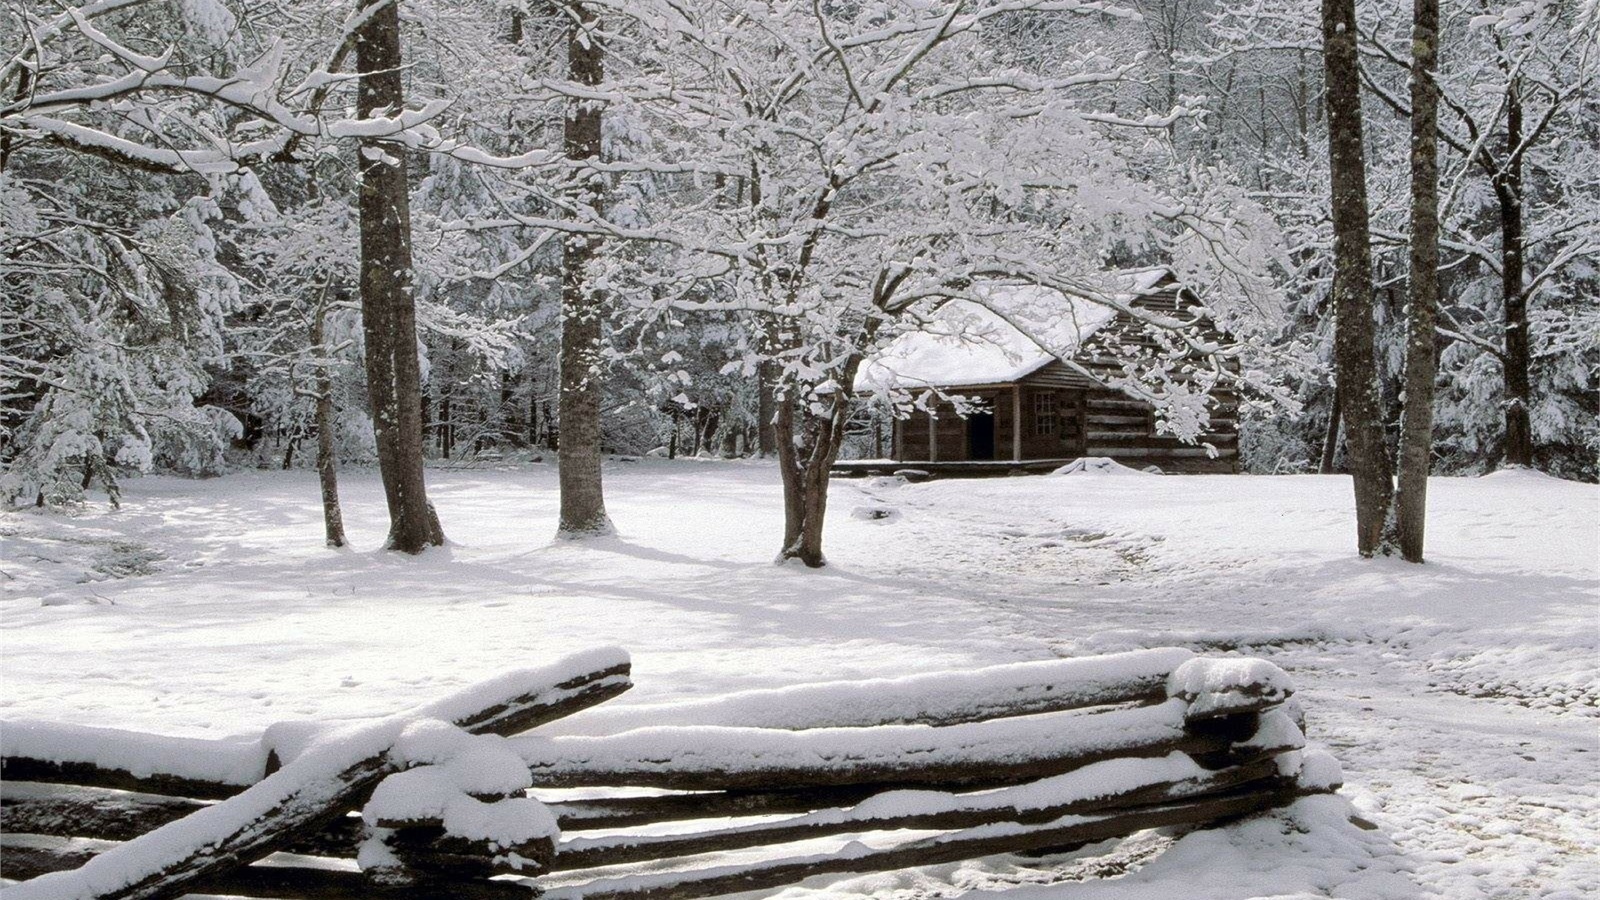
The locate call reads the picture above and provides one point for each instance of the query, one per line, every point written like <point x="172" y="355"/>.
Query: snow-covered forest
<point x="371" y="372"/>
<point x="759" y="195"/>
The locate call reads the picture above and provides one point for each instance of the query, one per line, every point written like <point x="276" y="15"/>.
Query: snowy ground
<point x="1462" y="697"/>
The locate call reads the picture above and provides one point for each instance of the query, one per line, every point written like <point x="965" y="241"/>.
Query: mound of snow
<point x="875" y="513"/>
<point x="1520" y="473"/>
<point x="1098" y="465"/>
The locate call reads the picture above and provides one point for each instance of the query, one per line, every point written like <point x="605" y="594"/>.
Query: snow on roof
<point x="967" y="344"/>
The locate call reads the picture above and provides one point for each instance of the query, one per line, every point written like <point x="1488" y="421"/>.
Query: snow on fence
<point x="744" y="792"/>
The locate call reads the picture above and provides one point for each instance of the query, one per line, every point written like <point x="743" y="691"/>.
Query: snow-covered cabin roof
<point x="969" y="345"/>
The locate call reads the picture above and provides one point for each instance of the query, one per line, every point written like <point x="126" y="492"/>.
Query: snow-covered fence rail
<point x="1029" y="756"/>
<point x="322" y="775"/>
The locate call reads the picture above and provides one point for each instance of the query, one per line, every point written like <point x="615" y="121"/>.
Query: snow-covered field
<point x="1462" y="696"/>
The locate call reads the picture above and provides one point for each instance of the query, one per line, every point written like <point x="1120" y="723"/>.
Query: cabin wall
<point x="951" y="433"/>
<point x="1123" y="428"/>
<point x="1101" y="422"/>
<point x="1052" y="422"/>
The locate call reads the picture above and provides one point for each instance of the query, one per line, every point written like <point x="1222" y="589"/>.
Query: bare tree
<point x="1355" y="359"/>
<point x="327" y="458"/>
<point x="1513" y="263"/>
<point x="388" y="301"/>
<point x="583" y="508"/>
<point x="1416" y="421"/>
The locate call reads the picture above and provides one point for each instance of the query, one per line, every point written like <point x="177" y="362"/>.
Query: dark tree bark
<point x="288" y="450"/>
<point x="806" y="449"/>
<point x="510" y="428"/>
<point x="1416" y="420"/>
<point x="447" y="432"/>
<point x="766" y="408"/>
<point x="1330" y="438"/>
<point x="1513" y="237"/>
<point x="583" y="508"/>
<point x="1355" y="358"/>
<point x="534" y="418"/>
<point x="327" y="456"/>
<point x="388" y="303"/>
<point x="808" y="444"/>
<point x="705" y="440"/>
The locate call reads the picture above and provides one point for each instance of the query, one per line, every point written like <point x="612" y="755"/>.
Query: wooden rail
<point x="1029" y="756"/>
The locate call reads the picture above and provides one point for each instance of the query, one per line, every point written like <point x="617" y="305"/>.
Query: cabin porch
<point x="1015" y="423"/>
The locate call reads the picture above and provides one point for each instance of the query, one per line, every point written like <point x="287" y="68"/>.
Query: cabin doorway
<point x="980" y="435"/>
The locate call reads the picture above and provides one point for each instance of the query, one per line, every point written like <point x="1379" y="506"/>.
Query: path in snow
<point x="1472" y="745"/>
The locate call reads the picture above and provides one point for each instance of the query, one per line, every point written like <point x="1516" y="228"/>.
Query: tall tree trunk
<point x="388" y="304"/>
<point x="1513" y="237"/>
<point x="583" y="508"/>
<point x="327" y="456"/>
<point x="1416" y="419"/>
<point x="1355" y="357"/>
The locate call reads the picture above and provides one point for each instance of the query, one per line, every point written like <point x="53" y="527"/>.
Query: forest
<point x="287" y="235"/>
<point x="419" y="419"/>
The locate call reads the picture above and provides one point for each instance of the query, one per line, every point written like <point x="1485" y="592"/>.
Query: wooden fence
<point x="771" y="787"/>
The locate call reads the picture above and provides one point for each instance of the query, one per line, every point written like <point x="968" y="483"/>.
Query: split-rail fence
<point x="760" y="789"/>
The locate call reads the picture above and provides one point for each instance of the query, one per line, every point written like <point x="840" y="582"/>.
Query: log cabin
<point x="992" y="401"/>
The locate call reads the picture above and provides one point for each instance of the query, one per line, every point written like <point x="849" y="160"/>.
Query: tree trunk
<point x="1355" y="358"/>
<point x="706" y="439"/>
<point x="288" y="450"/>
<point x="507" y="415"/>
<point x="1416" y="419"/>
<point x="1302" y="107"/>
<point x="1330" y="440"/>
<point x="534" y="416"/>
<point x="327" y="457"/>
<point x="766" y="443"/>
<point x="805" y="460"/>
<point x="1517" y="360"/>
<point x="388" y="305"/>
<point x="583" y="508"/>
<point x="447" y="434"/>
<point x="791" y="460"/>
